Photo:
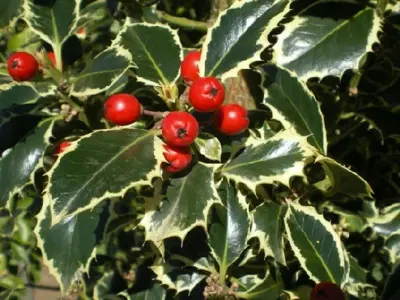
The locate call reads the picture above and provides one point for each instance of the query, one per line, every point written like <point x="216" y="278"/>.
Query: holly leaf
<point x="239" y="35"/>
<point x="253" y="287"/>
<point x="294" y="106"/>
<point x="18" y="167"/>
<point x="393" y="244"/>
<point x="53" y="24"/>
<point x="156" y="292"/>
<point x="110" y="162"/>
<point x="186" y="206"/>
<point x="10" y="10"/>
<point x="388" y="221"/>
<point x="156" y="51"/>
<point x="276" y="159"/>
<point x="268" y="228"/>
<point x="354" y="37"/>
<point x="228" y="235"/>
<point x="103" y="286"/>
<point x="315" y="244"/>
<point x="76" y="236"/>
<point x="102" y="72"/>
<point x="209" y="146"/>
<point x="24" y="93"/>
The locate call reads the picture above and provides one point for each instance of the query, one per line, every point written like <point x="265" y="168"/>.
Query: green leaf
<point x="357" y="273"/>
<point x="156" y="292"/>
<point x="103" y="72"/>
<point x="69" y="246"/>
<point x="276" y="159"/>
<point x="294" y="106"/>
<point x="156" y="51"/>
<point x="228" y="237"/>
<point x="393" y="244"/>
<point x="315" y="244"/>
<point x="268" y="227"/>
<point x="239" y="36"/>
<point x="209" y="146"/>
<point x="388" y="221"/>
<point x="252" y="287"/>
<point x="343" y="180"/>
<point x="300" y="43"/>
<point x="26" y="40"/>
<point x="9" y="10"/>
<point x="53" y="24"/>
<point x="110" y="162"/>
<point x="17" y="168"/>
<point x="24" y="93"/>
<point x="103" y="286"/>
<point x="186" y="205"/>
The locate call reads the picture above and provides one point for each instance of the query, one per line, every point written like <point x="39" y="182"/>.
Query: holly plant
<point x="200" y="149"/>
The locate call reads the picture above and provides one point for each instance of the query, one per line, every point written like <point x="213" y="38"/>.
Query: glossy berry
<point x="231" y="119"/>
<point x="22" y="66"/>
<point x="122" y="109"/>
<point x="326" y="291"/>
<point x="190" y="67"/>
<point x="179" y="129"/>
<point x="61" y="148"/>
<point x="178" y="158"/>
<point x="206" y="94"/>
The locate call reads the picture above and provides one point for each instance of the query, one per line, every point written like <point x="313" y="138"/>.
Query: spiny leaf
<point x="315" y="244"/>
<point x="239" y="36"/>
<point x="101" y="73"/>
<point x="69" y="245"/>
<point x="354" y="37"/>
<point x="276" y="159"/>
<point x="156" y="292"/>
<point x="268" y="227"/>
<point x="228" y="235"/>
<point x="186" y="205"/>
<point x="253" y="287"/>
<point x="388" y="221"/>
<point x="156" y="51"/>
<point x="209" y="146"/>
<point x="294" y="106"/>
<point x="10" y="9"/>
<point x="17" y="168"/>
<point x="101" y="165"/>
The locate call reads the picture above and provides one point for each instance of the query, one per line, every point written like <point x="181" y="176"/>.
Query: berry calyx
<point x="231" y="119"/>
<point x="177" y="158"/>
<point x="122" y="109"/>
<point x="61" y="148"/>
<point x="179" y="129"/>
<point x="22" y="66"/>
<point x="190" y="67"/>
<point x="326" y="291"/>
<point x="206" y="94"/>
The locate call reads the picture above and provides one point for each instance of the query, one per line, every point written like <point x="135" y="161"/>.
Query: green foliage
<point x="307" y="194"/>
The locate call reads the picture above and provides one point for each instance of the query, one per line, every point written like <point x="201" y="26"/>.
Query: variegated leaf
<point x="156" y="292"/>
<point x="276" y="159"/>
<point x="26" y="40"/>
<point x="316" y="245"/>
<point x="294" y="105"/>
<point x="53" y="24"/>
<point x="186" y="206"/>
<point x="209" y="146"/>
<point x="103" y="286"/>
<point x="393" y="244"/>
<point x="228" y="235"/>
<point x="156" y="51"/>
<point x="9" y="11"/>
<point x="17" y="168"/>
<point x="300" y="43"/>
<point x="268" y="227"/>
<point x="101" y="165"/>
<point x="253" y="287"/>
<point x="388" y="221"/>
<point x="106" y="69"/>
<point x="239" y="36"/>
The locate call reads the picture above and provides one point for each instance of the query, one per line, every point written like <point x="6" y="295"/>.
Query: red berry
<point x="22" y="66"/>
<point x="61" y="148"/>
<point x="81" y="30"/>
<point x="52" y="57"/>
<point x="190" y="67"/>
<point x="177" y="158"/>
<point x="326" y="291"/>
<point x="180" y="129"/>
<point x="231" y="119"/>
<point x="206" y="94"/>
<point x="122" y="109"/>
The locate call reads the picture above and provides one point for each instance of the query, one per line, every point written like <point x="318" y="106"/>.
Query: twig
<point x="43" y="287"/>
<point x="155" y="114"/>
<point x="183" y="22"/>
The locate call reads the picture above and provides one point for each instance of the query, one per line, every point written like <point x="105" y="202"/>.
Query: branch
<point x="182" y="22"/>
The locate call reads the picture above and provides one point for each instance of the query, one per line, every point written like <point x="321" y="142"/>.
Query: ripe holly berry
<point x="179" y="129"/>
<point x="190" y="67"/>
<point x="52" y="57"/>
<point x="178" y="158"/>
<point x="206" y="94"/>
<point x="22" y="66"/>
<point x="122" y="109"/>
<point x="231" y="119"/>
<point x="326" y="291"/>
<point x="61" y="148"/>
